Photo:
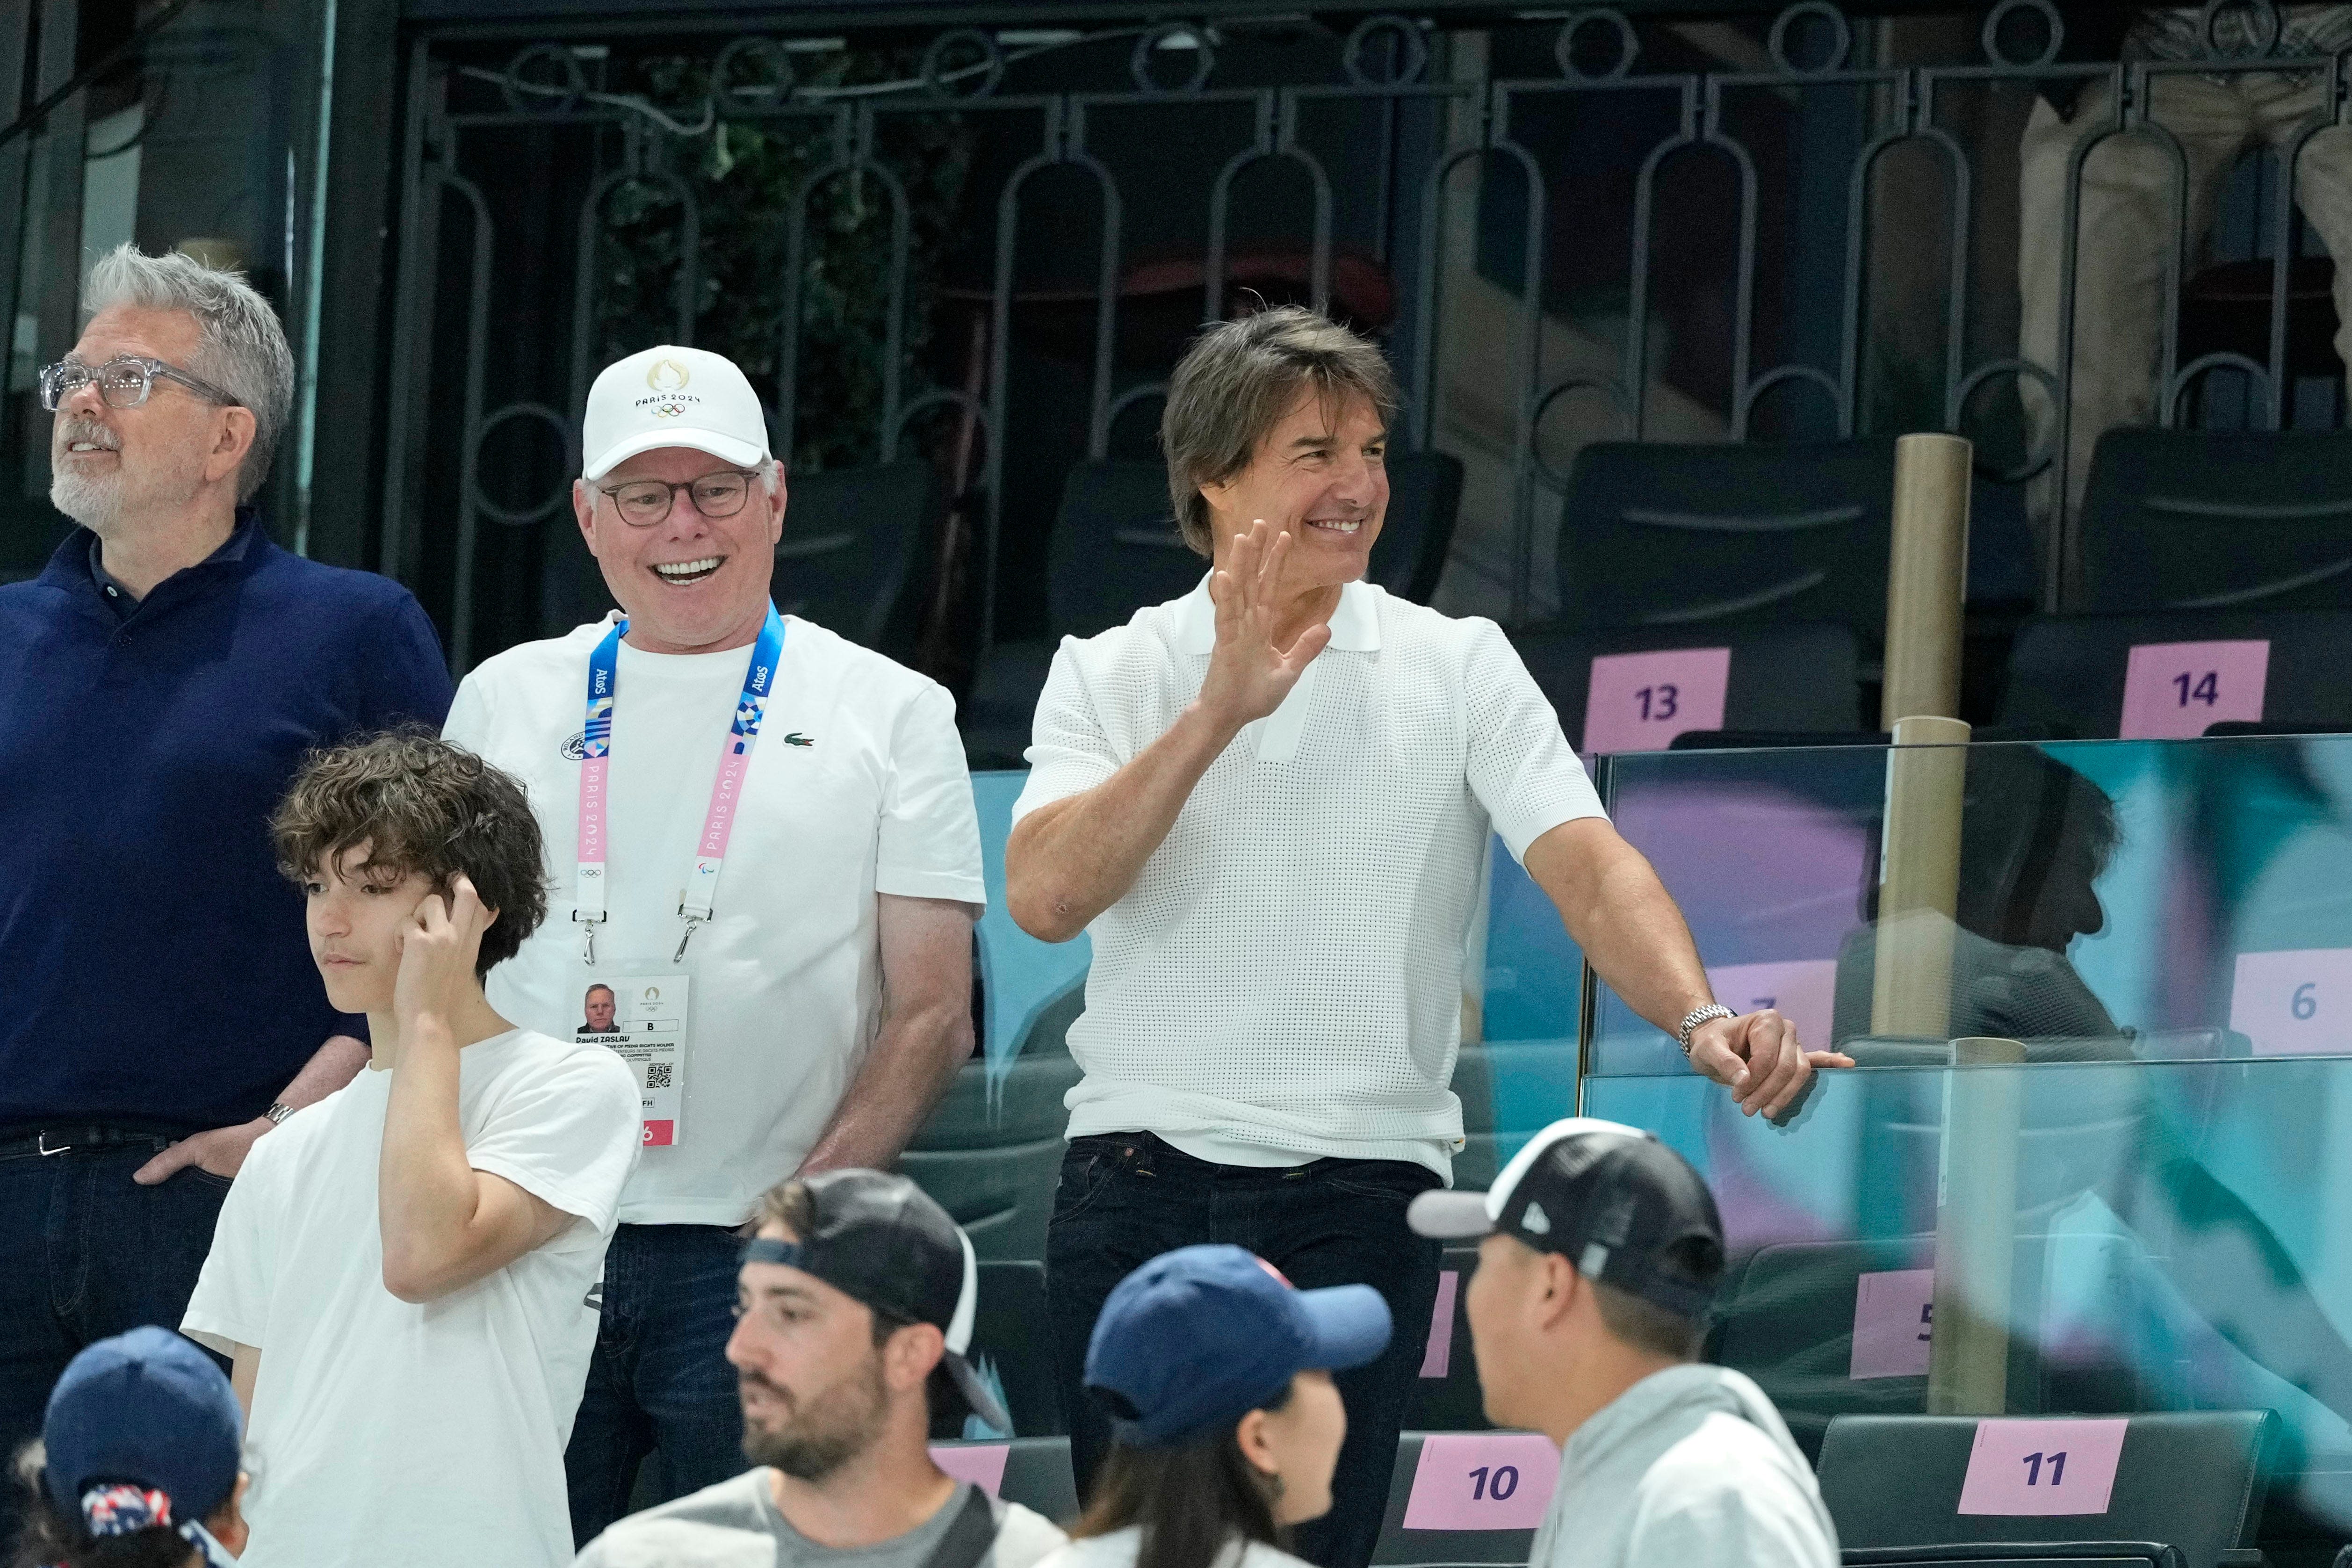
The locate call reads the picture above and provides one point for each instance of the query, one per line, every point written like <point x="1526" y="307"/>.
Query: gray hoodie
<point x="1690" y="1467"/>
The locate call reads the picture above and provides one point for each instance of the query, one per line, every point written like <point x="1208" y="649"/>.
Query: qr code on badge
<point x="657" y="1074"/>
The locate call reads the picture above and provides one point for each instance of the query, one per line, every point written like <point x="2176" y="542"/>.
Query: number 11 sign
<point x="2047" y="1468"/>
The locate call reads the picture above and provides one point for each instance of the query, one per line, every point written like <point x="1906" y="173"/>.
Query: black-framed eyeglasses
<point x="643" y="502"/>
<point x="123" y="382"/>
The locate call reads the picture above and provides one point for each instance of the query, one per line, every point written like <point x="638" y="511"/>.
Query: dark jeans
<point x="1127" y="1197"/>
<point x="87" y="1253"/>
<point x="659" y="1383"/>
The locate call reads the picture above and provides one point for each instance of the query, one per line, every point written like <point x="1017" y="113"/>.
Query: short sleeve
<point x="407" y="676"/>
<point x="1520" y="765"/>
<point x="929" y="841"/>
<point x="468" y="724"/>
<point x="231" y="1303"/>
<point x="567" y="1134"/>
<point x="1069" y="750"/>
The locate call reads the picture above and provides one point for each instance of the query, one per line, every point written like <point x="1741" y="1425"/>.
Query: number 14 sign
<point x="2173" y="689"/>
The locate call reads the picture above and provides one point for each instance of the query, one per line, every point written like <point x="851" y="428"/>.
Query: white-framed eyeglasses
<point x="123" y="382"/>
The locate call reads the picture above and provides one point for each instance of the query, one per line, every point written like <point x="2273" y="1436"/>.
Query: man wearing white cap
<point x="800" y="1012"/>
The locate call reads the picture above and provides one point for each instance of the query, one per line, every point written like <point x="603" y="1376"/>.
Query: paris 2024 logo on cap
<point x="668" y="378"/>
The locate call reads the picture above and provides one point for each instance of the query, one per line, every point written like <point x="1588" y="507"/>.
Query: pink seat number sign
<point x="1641" y="701"/>
<point x="1804" y="990"/>
<point x="2294" y="1003"/>
<point x="1482" y="1480"/>
<point x="2052" y="1468"/>
<point x="1893" y="1313"/>
<point x="982" y="1464"/>
<point x="2173" y="689"/>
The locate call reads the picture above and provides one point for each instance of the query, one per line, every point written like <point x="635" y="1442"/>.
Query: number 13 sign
<point x="1641" y="701"/>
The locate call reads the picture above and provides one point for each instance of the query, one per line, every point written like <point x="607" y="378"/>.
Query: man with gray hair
<point x="159" y="683"/>
<point x="1270" y="802"/>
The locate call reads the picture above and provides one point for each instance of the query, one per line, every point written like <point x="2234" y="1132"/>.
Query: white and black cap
<point x="879" y="1238"/>
<point x="1621" y="1207"/>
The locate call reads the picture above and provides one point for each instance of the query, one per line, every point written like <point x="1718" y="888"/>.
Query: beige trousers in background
<point x="2127" y="228"/>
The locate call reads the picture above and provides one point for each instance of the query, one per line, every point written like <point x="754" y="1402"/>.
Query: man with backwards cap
<point x="141" y="1438"/>
<point x="1600" y="1259"/>
<point x="854" y="1311"/>
<point x="798" y="1013"/>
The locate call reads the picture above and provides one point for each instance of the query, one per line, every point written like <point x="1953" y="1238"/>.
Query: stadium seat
<point x="2176" y="520"/>
<point x="2068" y="674"/>
<point x="1702" y="537"/>
<point x="1435" y="1512"/>
<point x="993" y="1148"/>
<point x="1792" y="1312"/>
<point x="1115" y="549"/>
<point x="1446" y="1397"/>
<point x="1800" y="678"/>
<point x="2190" y="1480"/>
<point x="850" y="558"/>
<point x="1424" y="494"/>
<point x="1011" y="1352"/>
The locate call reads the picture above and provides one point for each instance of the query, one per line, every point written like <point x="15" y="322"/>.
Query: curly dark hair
<point x="420" y="803"/>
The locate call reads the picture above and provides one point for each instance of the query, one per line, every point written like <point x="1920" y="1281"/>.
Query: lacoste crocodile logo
<point x="797" y="739"/>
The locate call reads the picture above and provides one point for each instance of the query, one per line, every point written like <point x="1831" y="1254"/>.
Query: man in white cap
<point x="803" y="1012"/>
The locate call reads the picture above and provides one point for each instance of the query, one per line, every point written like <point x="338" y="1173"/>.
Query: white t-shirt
<point x="1285" y="975"/>
<point x="386" y="1434"/>
<point x="1121" y="1548"/>
<point x="857" y="786"/>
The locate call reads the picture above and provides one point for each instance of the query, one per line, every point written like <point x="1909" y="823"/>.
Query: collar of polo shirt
<point x="1355" y="625"/>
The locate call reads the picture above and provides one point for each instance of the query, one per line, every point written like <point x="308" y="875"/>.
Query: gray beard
<point x="103" y="506"/>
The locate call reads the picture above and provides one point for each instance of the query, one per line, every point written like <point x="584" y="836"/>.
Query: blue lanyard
<point x="701" y="892"/>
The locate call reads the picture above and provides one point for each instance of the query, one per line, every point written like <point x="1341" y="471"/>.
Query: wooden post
<point x="1976" y="1228"/>
<point x="1927" y="578"/>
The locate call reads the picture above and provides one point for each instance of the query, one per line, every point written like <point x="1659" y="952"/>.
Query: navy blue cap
<point x="145" y="1409"/>
<point x="1198" y="1338"/>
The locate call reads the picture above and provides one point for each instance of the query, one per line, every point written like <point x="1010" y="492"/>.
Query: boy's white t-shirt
<point x="389" y="1434"/>
<point x="857" y="787"/>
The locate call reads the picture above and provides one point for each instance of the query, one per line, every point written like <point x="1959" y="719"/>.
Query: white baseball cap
<point x="672" y="396"/>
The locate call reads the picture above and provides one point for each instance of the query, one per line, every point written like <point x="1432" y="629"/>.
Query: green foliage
<point x="746" y="172"/>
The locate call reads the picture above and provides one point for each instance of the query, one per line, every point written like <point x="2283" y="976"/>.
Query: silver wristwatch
<point x="278" y="1113"/>
<point x="1697" y="1016"/>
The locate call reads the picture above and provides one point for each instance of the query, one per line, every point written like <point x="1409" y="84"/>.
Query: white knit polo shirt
<point x="1283" y="981"/>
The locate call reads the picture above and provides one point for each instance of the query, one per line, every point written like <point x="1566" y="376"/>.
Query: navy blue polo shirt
<point x="153" y="967"/>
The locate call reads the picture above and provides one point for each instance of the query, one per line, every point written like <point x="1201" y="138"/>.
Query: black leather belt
<point x="78" y="1136"/>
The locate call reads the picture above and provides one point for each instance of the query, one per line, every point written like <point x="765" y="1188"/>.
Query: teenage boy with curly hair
<point x="404" y="1275"/>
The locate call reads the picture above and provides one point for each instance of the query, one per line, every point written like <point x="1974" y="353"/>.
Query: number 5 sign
<point x="2173" y="689"/>
<point x="1482" y="1480"/>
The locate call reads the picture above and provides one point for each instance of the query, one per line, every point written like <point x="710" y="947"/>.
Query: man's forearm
<point x="1068" y="862"/>
<point x="1617" y="911"/>
<point x="915" y="1057"/>
<point x="331" y="1067"/>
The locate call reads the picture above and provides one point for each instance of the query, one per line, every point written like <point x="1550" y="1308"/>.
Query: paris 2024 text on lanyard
<point x="641" y="1009"/>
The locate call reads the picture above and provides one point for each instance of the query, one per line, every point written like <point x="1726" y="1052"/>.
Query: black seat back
<point x="1008" y="1348"/>
<point x="1797" y="680"/>
<point x="2066" y="673"/>
<point x="2191" y="1479"/>
<point x="1654" y="535"/>
<point x="2192" y="519"/>
<point x="1424" y="495"/>
<point x="848" y="556"/>
<point x="1115" y="548"/>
